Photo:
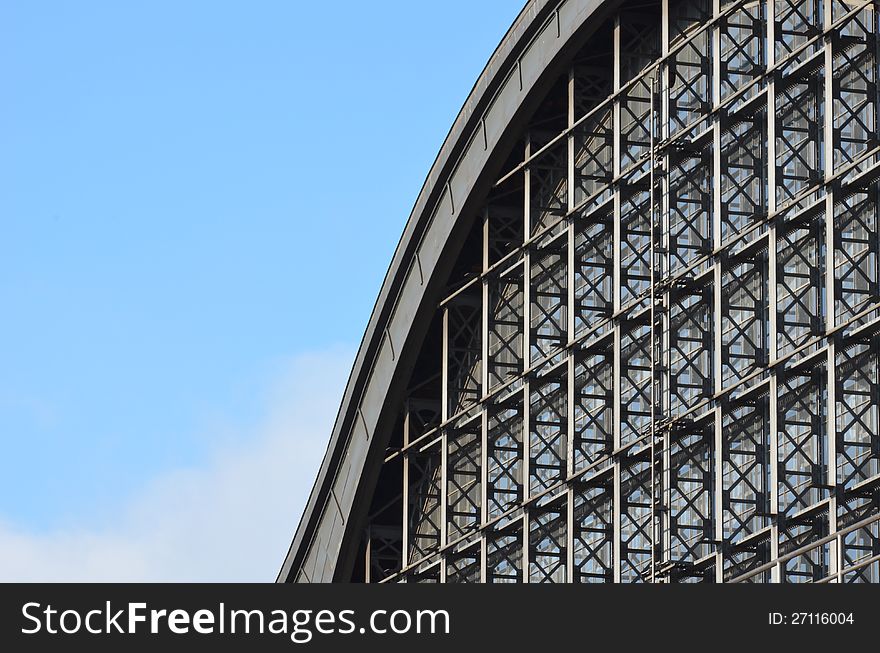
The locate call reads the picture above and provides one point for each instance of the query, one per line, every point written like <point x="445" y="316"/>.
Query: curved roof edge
<point x="518" y="70"/>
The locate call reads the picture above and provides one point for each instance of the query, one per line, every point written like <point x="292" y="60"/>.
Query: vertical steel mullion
<point x="716" y="219"/>
<point x="570" y="227"/>
<point x="617" y="437"/>
<point x="664" y="28"/>
<point x="615" y="544"/>
<point x="831" y="449"/>
<point x="526" y="466"/>
<point x="652" y="337"/>
<point x="829" y="189"/>
<point x="525" y="571"/>
<point x="569" y="534"/>
<point x="717" y="212"/>
<point x="615" y="292"/>
<point x="527" y="364"/>
<point x="773" y="419"/>
<point x="444" y="369"/>
<point x="484" y="421"/>
<point x="527" y="332"/>
<point x="719" y="433"/>
<point x="444" y="489"/>
<point x="484" y="458"/>
<point x="443" y="437"/>
<point x="717" y="278"/>
<point x="831" y="407"/>
<point x="616" y="156"/>
<point x="771" y="272"/>
<point x="570" y="319"/>
<point x="715" y="222"/>
<point x="718" y="500"/>
<point x="660" y="90"/>
<point x="570" y="280"/>
<point x="665" y="305"/>
<point x="404" y="557"/>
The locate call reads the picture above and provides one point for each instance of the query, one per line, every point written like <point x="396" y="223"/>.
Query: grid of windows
<point x="657" y="360"/>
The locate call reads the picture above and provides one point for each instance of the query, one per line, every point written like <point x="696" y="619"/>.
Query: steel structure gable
<point x="514" y="80"/>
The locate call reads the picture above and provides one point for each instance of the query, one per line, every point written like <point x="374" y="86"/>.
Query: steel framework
<point x="655" y="358"/>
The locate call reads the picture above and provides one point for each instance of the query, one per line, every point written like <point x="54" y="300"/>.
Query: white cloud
<point x="230" y="519"/>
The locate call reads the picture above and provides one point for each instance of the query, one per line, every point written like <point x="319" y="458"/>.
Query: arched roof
<point x="526" y="62"/>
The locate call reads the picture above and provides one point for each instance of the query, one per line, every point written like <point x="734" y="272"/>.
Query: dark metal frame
<point x="654" y="351"/>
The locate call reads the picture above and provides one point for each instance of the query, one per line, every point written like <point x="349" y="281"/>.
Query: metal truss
<point x="658" y="355"/>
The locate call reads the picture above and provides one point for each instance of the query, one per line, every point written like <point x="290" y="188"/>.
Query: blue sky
<point x="199" y="201"/>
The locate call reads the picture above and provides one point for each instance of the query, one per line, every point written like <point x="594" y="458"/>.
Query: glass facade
<point x="656" y="359"/>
